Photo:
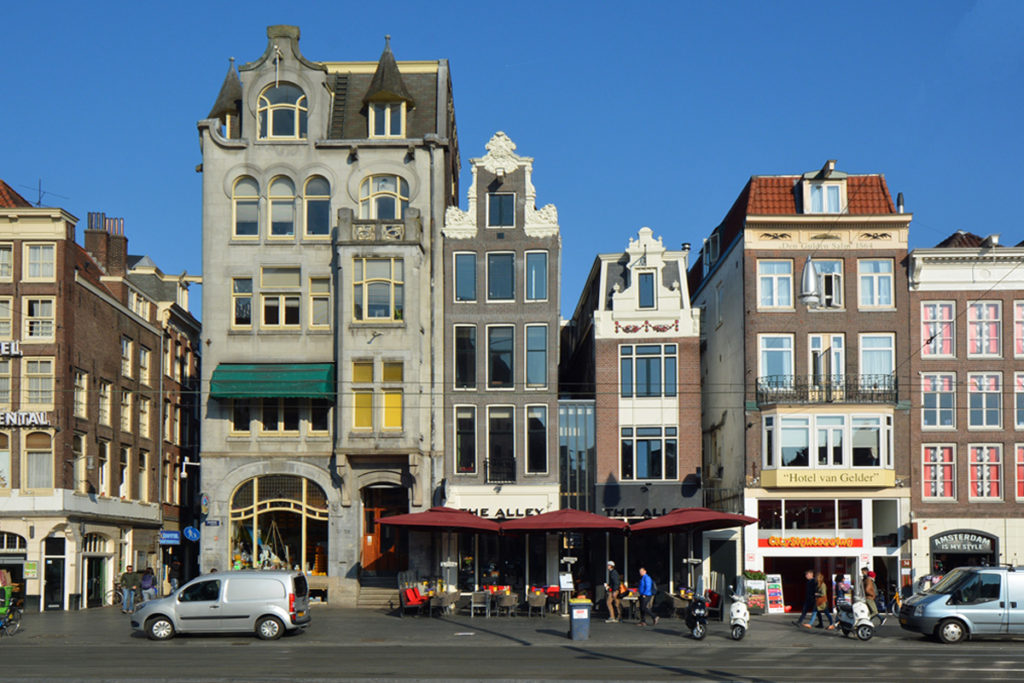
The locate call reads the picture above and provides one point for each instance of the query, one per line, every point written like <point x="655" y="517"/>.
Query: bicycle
<point x="10" y="622"/>
<point x="113" y="596"/>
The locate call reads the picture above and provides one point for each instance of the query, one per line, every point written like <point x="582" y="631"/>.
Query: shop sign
<point x="504" y="513"/>
<point x="10" y="348"/>
<point x="30" y="570"/>
<point x="631" y="513"/>
<point x="962" y="542"/>
<point x="809" y="542"/>
<point x="833" y="478"/>
<point x="24" y="419"/>
<point x="170" y="537"/>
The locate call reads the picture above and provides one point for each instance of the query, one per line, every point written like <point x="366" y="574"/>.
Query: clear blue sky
<point x="636" y="113"/>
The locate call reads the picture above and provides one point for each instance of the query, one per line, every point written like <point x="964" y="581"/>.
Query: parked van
<point x="969" y="601"/>
<point x="265" y="602"/>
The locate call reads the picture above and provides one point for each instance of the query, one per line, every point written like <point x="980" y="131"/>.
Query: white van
<point x="267" y="603"/>
<point x="969" y="601"/>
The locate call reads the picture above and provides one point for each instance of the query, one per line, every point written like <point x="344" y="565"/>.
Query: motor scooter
<point x="739" y="615"/>
<point x="855" y="617"/>
<point x="697" y="614"/>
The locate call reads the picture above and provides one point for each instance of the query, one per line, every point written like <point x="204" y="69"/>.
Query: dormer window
<point x="387" y="120"/>
<point x="645" y="290"/>
<point x="282" y="112"/>
<point x="825" y="198"/>
<point x="501" y="210"/>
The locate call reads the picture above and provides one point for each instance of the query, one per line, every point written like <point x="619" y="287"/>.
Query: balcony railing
<point x="500" y="470"/>
<point x="774" y="389"/>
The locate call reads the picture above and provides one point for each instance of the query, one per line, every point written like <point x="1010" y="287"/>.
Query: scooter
<point x="855" y="617"/>
<point x="697" y="616"/>
<point x="739" y="615"/>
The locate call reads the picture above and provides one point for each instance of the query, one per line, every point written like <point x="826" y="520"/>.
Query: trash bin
<point x="579" y="620"/>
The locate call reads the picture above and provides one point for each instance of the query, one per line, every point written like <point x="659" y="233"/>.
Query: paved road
<point x="97" y="645"/>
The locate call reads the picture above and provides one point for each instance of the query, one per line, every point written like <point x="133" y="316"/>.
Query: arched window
<point x="279" y="521"/>
<point x="9" y="541"/>
<point x="282" y="111"/>
<point x="245" y="199"/>
<point x="282" y="207"/>
<point x="95" y="544"/>
<point x="39" y="461"/>
<point x="383" y="196"/>
<point x="317" y="197"/>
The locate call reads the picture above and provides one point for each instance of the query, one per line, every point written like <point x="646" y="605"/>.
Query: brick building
<point x="806" y="399"/>
<point x="88" y="470"/>
<point x="632" y="346"/>
<point x="966" y="449"/>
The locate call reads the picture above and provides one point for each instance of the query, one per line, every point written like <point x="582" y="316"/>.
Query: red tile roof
<point x="9" y="199"/>
<point x="776" y="195"/>
<point x="961" y="240"/>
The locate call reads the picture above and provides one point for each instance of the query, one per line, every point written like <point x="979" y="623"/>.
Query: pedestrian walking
<point x="810" y="599"/>
<point x="147" y="584"/>
<point x="821" y="603"/>
<point x="612" y="589"/>
<point x="174" y="573"/>
<point x="871" y="594"/>
<point x="130" y="581"/>
<point x="646" y="592"/>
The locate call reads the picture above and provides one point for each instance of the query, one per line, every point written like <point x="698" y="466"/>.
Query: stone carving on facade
<point x="459" y="224"/>
<point x="363" y="231"/>
<point x="775" y="236"/>
<point x="541" y="222"/>
<point x="392" y="232"/>
<point x="501" y="157"/>
<point x="825" y="236"/>
<point x="647" y="326"/>
<point x="876" y="236"/>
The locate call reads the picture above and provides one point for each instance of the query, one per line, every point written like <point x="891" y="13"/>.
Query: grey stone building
<point x="502" y="261"/>
<point x="324" y="191"/>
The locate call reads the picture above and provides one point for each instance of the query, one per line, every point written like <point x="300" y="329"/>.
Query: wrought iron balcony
<point x="775" y="389"/>
<point x="500" y="470"/>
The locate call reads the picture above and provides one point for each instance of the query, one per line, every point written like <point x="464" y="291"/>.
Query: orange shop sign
<point x="809" y="542"/>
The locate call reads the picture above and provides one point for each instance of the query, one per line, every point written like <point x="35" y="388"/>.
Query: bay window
<point x="839" y="441"/>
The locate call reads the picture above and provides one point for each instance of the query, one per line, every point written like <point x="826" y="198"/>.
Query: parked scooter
<point x="739" y="615"/>
<point x="855" y="617"/>
<point x="697" y="616"/>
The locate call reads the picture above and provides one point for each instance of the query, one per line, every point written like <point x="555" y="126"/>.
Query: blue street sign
<point x="170" y="537"/>
<point x="191" y="533"/>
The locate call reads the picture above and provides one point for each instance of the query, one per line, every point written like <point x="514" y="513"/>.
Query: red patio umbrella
<point x="692" y="519"/>
<point x="443" y="519"/>
<point x="564" y="520"/>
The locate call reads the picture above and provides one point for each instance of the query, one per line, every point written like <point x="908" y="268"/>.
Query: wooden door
<point x="382" y="549"/>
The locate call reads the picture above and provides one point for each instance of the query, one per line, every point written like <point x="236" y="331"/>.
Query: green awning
<point x="273" y="380"/>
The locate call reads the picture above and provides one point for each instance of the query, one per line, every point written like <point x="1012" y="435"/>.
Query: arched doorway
<point x="384" y="547"/>
<point x="963" y="548"/>
<point x="279" y="521"/>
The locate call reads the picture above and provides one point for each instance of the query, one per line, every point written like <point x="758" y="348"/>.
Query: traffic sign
<point x="191" y="533"/>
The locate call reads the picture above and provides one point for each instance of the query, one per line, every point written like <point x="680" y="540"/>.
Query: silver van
<point x="265" y="602"/>
<point x="969" y="601"/>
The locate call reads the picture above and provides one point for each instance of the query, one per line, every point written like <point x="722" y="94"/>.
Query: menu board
<point x="773" y="589"/>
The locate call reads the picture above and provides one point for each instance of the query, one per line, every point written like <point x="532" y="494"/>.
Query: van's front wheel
<point x="952" y="631"/>
<point x="269" y="628"/>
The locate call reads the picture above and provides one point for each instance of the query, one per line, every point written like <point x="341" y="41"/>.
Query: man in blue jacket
<point x="646" y="590"/>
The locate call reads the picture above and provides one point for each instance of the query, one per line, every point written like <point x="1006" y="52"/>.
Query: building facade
<point x="502" y="259"/>
<point x="806" y="399"/>
<point x="324" y="190"/>
<point x="966" y="446"/>
<point x="89" y="471"/>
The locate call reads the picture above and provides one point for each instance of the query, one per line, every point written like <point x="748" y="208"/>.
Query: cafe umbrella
<point x="689" y="520"/>
<point x="446" y="519"/>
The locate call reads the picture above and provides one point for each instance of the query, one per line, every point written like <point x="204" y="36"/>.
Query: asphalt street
<point x="347" y="644"/>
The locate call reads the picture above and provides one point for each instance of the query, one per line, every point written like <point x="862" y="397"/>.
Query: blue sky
<point x="636" y="114"/>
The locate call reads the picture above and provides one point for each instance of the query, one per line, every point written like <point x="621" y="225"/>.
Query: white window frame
<point x="980" y="325"/>
<point x="824" y="189"/>
<point x="824" y="345"/>
<point x="26" y="456"/>
<point x="6" y="262"/>
<point x="455" y="277"/>
<point x="639" y="276"/>
<point x="124" y="470"/>
<point x="27" y="378"/>
<point x="103" y="467"/>
<point x="997" y="448"/>
<point x="791" y="350"/>
<point x="948" y="378"/>
<point x="972" y="378"/>
<point x="533" y="386"/>
<point x="861" y="350"/>
<point x="487" y="275"/>
<point x="830" y="284"/>
<point x="48" y="268"/>
<point x="526" y="275"/>
<point x="775" y="302"/>
<point x="455" y="440"/>
<point x="634" y="437"/>
<point x="775" y="424"/>
<point x="1018" y="328"/>
<point x="875" y="303"/>
<point x="925" y="464"/>
<point x="6" y="317"/>
<point x="932" y="334"/>
<point x="515" y="434"/>
<point x="39" y="323"/>
<point x="142" y="472"/>
<point x="1018" y="400"/>
<point x="547" y="434"/>
<point x="455" y="358"/>
<point x="487" y="215"/>
<point x="487" y="361"/>
<point x="127" y="348"/>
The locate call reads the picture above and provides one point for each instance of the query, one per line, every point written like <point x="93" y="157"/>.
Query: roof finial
<point x="387" y="41"/>
<point x="232" y="60"/>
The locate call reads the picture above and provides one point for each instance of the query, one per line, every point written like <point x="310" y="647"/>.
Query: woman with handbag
<point x="821" y="603"/>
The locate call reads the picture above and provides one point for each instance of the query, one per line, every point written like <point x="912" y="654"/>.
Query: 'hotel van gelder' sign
<point x="24" y="419"/>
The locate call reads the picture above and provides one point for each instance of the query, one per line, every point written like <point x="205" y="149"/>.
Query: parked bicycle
<point x="113" y="596"/>
<point x="10" y="622"/>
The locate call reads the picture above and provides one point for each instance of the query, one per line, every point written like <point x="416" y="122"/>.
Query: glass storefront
<point x="279" y="521"/>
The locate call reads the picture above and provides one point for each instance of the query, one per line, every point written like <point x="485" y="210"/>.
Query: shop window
<point x="278" y="522"/>
<point x="811" y="514"/>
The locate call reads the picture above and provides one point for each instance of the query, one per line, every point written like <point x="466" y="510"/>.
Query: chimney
<point x="899" y="202"/>
<point x="117" y="248"/>
<point x="96" y="237"/>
